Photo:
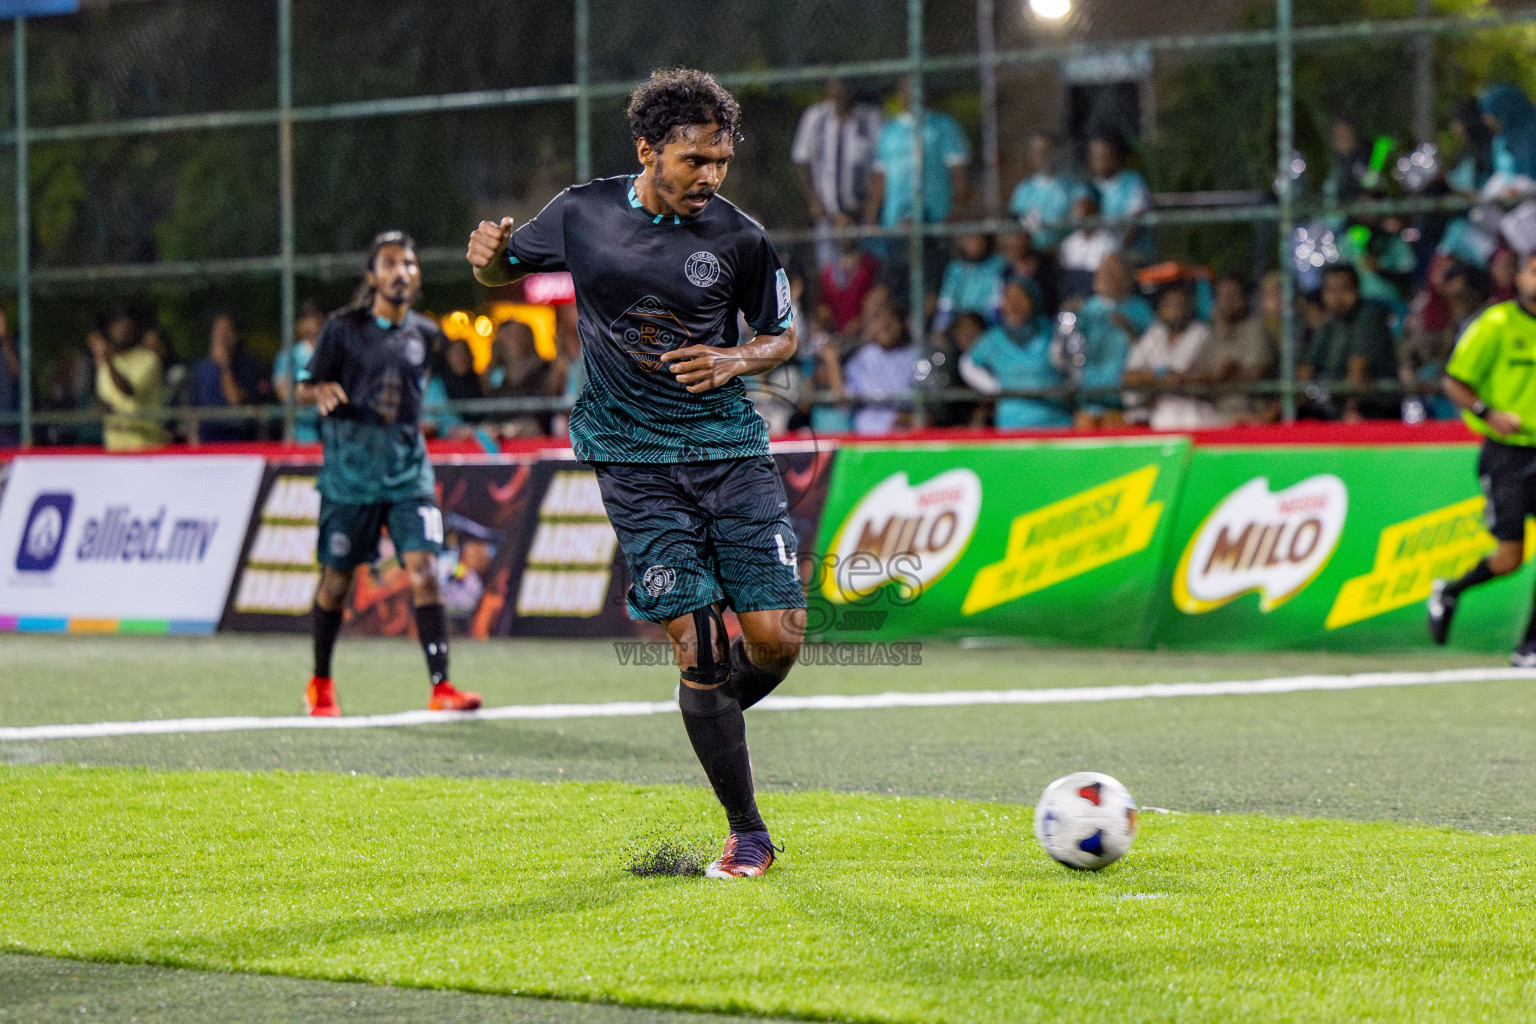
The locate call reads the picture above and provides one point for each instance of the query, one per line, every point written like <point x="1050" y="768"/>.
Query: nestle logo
<point x="43" y="538"/>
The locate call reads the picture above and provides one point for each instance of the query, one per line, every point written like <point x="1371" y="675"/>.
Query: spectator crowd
<point x="1073" y="318"/>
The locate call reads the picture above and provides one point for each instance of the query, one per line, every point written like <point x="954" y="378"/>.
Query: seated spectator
<point x="940" y="370"/>
<point x="453" y="379"/>
<point x="1172" y="354"/>
<point x="129" y="379"/>
<point x="287" y="367"/>
<point x="1016" y="356"/>
<point x="878" y="376"/>
<point x="823" y="405"/>
<point x="1123" y="193"/>
<point x="844" y="283"/>
<point x="1512" y="119"/>
<point x="1025" y="261"/>
<point x="1110" y="321"/>
<point x="517" y="370"/>
<point x="10" y="386"/>
<point x="1503" y="267"/>
<point x="973" y="282"/>
<point x="1353" y="346"/>
<point x="1043" y="201"/>
<point x="1474" y="163"/>
<point x="1349" y="163"/>
<point x="226" y="377"/>
<point x="1452" y="296"/>
<point x="1084" y="249"/>
<point x="1241" y="352"/>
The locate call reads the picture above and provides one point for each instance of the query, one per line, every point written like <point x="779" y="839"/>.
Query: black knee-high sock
<point x="325" y="625"/>
<point x="749" y="683"/>
<point x="432" y="631"/>
<point x="1479" y="573"/>
<point x="1530" y="625"/>
<point x="719" y="737"/>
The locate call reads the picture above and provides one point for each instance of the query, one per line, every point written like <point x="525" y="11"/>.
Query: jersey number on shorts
<point x="431" y="523"/>
<point x="787" y="557"/>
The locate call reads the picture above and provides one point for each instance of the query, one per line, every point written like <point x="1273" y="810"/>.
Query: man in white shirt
<point x="833" y="149"/>
<point x="1170" y="355"/>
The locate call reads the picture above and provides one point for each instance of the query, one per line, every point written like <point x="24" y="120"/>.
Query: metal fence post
<point x="917" y="321"/>
<point x="23" y="239"/>
<point x="583" y="90"/>
<point x="1285" y="118"/>
<point x="285" y="207"/>
<point x="991" y="160"/>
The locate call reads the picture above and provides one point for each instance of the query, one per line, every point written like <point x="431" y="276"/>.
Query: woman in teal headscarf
<point x="1512" y="119"/>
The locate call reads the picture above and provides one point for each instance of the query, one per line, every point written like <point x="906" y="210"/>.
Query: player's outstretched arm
<point x="704" y="368"/>
<point x="487" y="246"/>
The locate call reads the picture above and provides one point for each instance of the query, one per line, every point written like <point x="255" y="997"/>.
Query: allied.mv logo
<point x="702" y="269"/>
<point x="43" y="538"/>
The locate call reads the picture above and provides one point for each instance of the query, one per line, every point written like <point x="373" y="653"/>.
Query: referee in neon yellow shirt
<point x="1491" y="375"/>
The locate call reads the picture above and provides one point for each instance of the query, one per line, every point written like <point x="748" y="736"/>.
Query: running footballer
<point x="662" y="265"/>
<point x="366" y="378"/>
<point x="1491" y="375"/>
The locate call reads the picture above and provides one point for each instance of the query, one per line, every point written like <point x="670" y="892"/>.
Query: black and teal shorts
<point x="696" y="533"/>
<point x="349" y="534"/>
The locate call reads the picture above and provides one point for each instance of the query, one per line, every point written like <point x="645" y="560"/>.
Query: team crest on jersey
<point x="415" y="351"/>
<point x="702" y="269"/>
<point x="646" y="330"/>
<point x="658" y="580"/>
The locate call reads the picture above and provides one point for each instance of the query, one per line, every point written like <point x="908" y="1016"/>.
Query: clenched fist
<point x="488" y="242"/>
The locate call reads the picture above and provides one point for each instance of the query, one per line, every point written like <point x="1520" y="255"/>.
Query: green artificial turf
<point x="883" y="908"/>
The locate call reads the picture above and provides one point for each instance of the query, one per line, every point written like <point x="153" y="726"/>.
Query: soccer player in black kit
<point x="662" y="266"/>
<point x="366" y="377"/>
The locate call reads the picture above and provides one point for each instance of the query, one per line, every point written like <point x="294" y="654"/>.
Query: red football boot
<point x="320" y="699"/>
<point x="446" y="698"/>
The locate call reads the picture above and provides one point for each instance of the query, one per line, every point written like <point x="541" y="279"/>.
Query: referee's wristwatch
<point x="1480" y="409"/>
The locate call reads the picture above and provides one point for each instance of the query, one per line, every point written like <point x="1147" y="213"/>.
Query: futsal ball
<point x="1085" y="820"/>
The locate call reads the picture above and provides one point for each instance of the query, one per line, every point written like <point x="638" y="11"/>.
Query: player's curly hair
<point x="678" y="98"/>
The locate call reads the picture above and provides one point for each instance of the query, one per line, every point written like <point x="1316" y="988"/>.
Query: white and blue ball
<point x="1086" y="820"/>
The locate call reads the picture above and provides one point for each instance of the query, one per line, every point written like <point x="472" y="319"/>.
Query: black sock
<point x="749" y="683"/>
<point x="1530" y="626"/>
<point x="1479" y="573"/>
<point x="432" y="631"/>
<point x="719" y="737"/>
<point x="325" y="625"/>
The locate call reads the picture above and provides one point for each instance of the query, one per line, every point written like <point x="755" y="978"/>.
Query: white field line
<point x="826" y="702"/>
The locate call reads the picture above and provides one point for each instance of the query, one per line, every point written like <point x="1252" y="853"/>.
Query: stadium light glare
<point x="484" y="327"/>
<point x="1054" y="10"/>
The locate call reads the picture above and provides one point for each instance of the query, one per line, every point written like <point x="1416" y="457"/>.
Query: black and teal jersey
<point x="647" y="284"/>
<point x="374" y="451"/>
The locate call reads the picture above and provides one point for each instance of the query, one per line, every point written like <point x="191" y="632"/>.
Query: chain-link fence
<point x="180" y="158"/>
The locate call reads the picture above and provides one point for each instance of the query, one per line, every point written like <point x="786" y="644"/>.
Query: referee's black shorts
<point x="1507" y="473"/>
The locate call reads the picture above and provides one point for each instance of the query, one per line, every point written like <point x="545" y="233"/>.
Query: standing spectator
<point x="1111" y="320"/>
<point x="1474" y="164"/>
<point x="844" y="283"/>
<point x="1085" y="248"/>
<point x="973" y="282"/>
<point x="1241" y="352"/>
<point x="517" y="371"/>
<point x="129" y="380"/>
<point x="1353" y="346"/>
<point x="1503" y="265"/>
<point x="943" y="182"/>
<point x="1451" y="299"/>
<point x="226" y="377"/>
<point x="833" y="152"/>
<point x="879" y="374"/>
<point x="1512" y="119"/>
<point x="286" y="368"/>
<point x="1016" y="356"/>
<point x="1349" y="163"/>
<point x="10" y="386"/>
<point x="1123" y="193"/>
<point x="1043" y="201"/>
<point x="1169" y="356"/>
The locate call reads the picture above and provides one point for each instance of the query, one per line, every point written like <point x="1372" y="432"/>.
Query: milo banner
<point x="1061" y="540"/>
<point x="1324" y="547"/>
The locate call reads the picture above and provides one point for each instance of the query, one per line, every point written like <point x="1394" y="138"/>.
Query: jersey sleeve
<point x="1475" y="353"/>
<point x="953" y="144"/>
<point x="325" y="364"/>
<point x="762" y="287"/>
<point x="539" y="245"/>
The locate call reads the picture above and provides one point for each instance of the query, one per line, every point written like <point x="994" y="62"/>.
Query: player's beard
<point x="672" y="192"/>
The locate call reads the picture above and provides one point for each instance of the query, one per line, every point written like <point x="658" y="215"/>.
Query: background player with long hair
<point x="366" y="378"/>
